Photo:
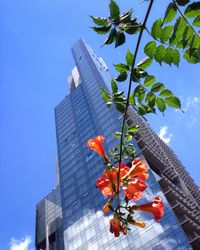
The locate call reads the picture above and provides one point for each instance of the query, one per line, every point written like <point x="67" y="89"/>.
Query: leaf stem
<point x="129" y="91"/>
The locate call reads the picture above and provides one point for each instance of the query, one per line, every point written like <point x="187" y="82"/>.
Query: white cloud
<point x="163" y="134"/>
<point x="192" y="110"/>
<point x="22" y="244"/>
<point x="192" y="102"/>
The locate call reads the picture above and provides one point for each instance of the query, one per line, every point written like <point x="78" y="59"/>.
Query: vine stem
<point x="185" y="18"/>
<point x="128" y="95"/>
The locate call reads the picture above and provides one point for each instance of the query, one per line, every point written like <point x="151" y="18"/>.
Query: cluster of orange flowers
<point x="132" y="181"/>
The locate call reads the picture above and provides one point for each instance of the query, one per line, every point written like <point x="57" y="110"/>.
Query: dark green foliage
<point x="193" y="10"/>
<point x="111" y="38"/>
<point x="114" y="10"/>
<point x="196" y="21"/>
<point x="120" y="38"/>
<point x="100" y="21"/>
<point x="182" y="2"/>
<point x="102" y="30"/>
<point x="170" y="13"/>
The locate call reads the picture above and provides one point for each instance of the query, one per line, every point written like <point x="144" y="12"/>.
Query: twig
<point x="129" y="91"/>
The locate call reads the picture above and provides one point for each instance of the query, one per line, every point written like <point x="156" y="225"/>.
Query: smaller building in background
<point x="49" y="232"/>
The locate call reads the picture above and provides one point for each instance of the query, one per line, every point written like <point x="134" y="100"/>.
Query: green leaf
<point x="193" y="10"/>
<point x="120" y="38"/>
<point x="179" y="28"/>
<point x="156" y="30"/>
<point x="169" y="56"/>
<point x="145" y="63"/>
<point x="176" y="58"/>
<point x="157" y="87"/>
<point x="133" y="128"/>
<point x="114" y="86"/>
<point x="195" y="42"/>
<point x="132" y="100"/>
<point x="114" y="10"/>
<point x="138" y="90"/>
<point x="100" y="21"/>
<point x="192" y="55"/>
<point x="111" y="38"/>
<point x="142" y="110"/>
<point x="106" y="96"/>
<point x="101" y="30"/>
<point x="149" y="80"/>
<point x="122" y="77"/>
<point x="126" y="17"/>
<point x="166" y="92"/>
<point x="129" y="58"/>
<point x="150" y="98"/>
<point x="186" y="38"/>
<point x="173" y="102"/>
<point x="117" y="135"/>
<point x="182" y="2"/>
<point x="160" y="104"/>
<point x="166" y="33"/>
<point x="137" y="74"/>
<point x="197" y="21"/>
<point x="150" y="49"/>
<point x="141" y="97"/>
<point x="121" y="67"/>
<point x="160" y="54"/>
<point x="170" y="13"/>
<point x="120" y="107"/>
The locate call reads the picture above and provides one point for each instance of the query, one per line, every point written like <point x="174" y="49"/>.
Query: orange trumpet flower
<point x="155" y="207"/>
<point x="96" y="145"/>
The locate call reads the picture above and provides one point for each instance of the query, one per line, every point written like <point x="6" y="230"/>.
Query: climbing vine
<point x="172" y="38"/>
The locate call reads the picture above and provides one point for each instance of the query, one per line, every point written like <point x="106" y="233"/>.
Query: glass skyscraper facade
<point x="82" y="115"/>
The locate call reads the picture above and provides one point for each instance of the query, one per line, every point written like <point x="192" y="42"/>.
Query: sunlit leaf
<point x="129" y="58"/>
<point x="149" y="80"/>
<point x="106" y="96"/>
<point x="160" y="104"/>
<point x="121" y="67"/>
<point x="114" y="86"/>
<point x="173" y="102"/>
<point x="170" y="13"/>
<point x="166" y="92"/>
<point x="156" y="30"/>
<point x="150" y="49"/>
<point x="179" y="28"/>
<point x="157" y="87"/>
<point x="160" y="54"/>
<point x="145" y="63"/>
<point x="166" y="33"/>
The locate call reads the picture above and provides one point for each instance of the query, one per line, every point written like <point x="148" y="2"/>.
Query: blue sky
<point x="35" y="62"/>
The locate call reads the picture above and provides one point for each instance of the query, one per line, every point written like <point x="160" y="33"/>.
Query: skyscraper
<point x="82" y="115"/>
